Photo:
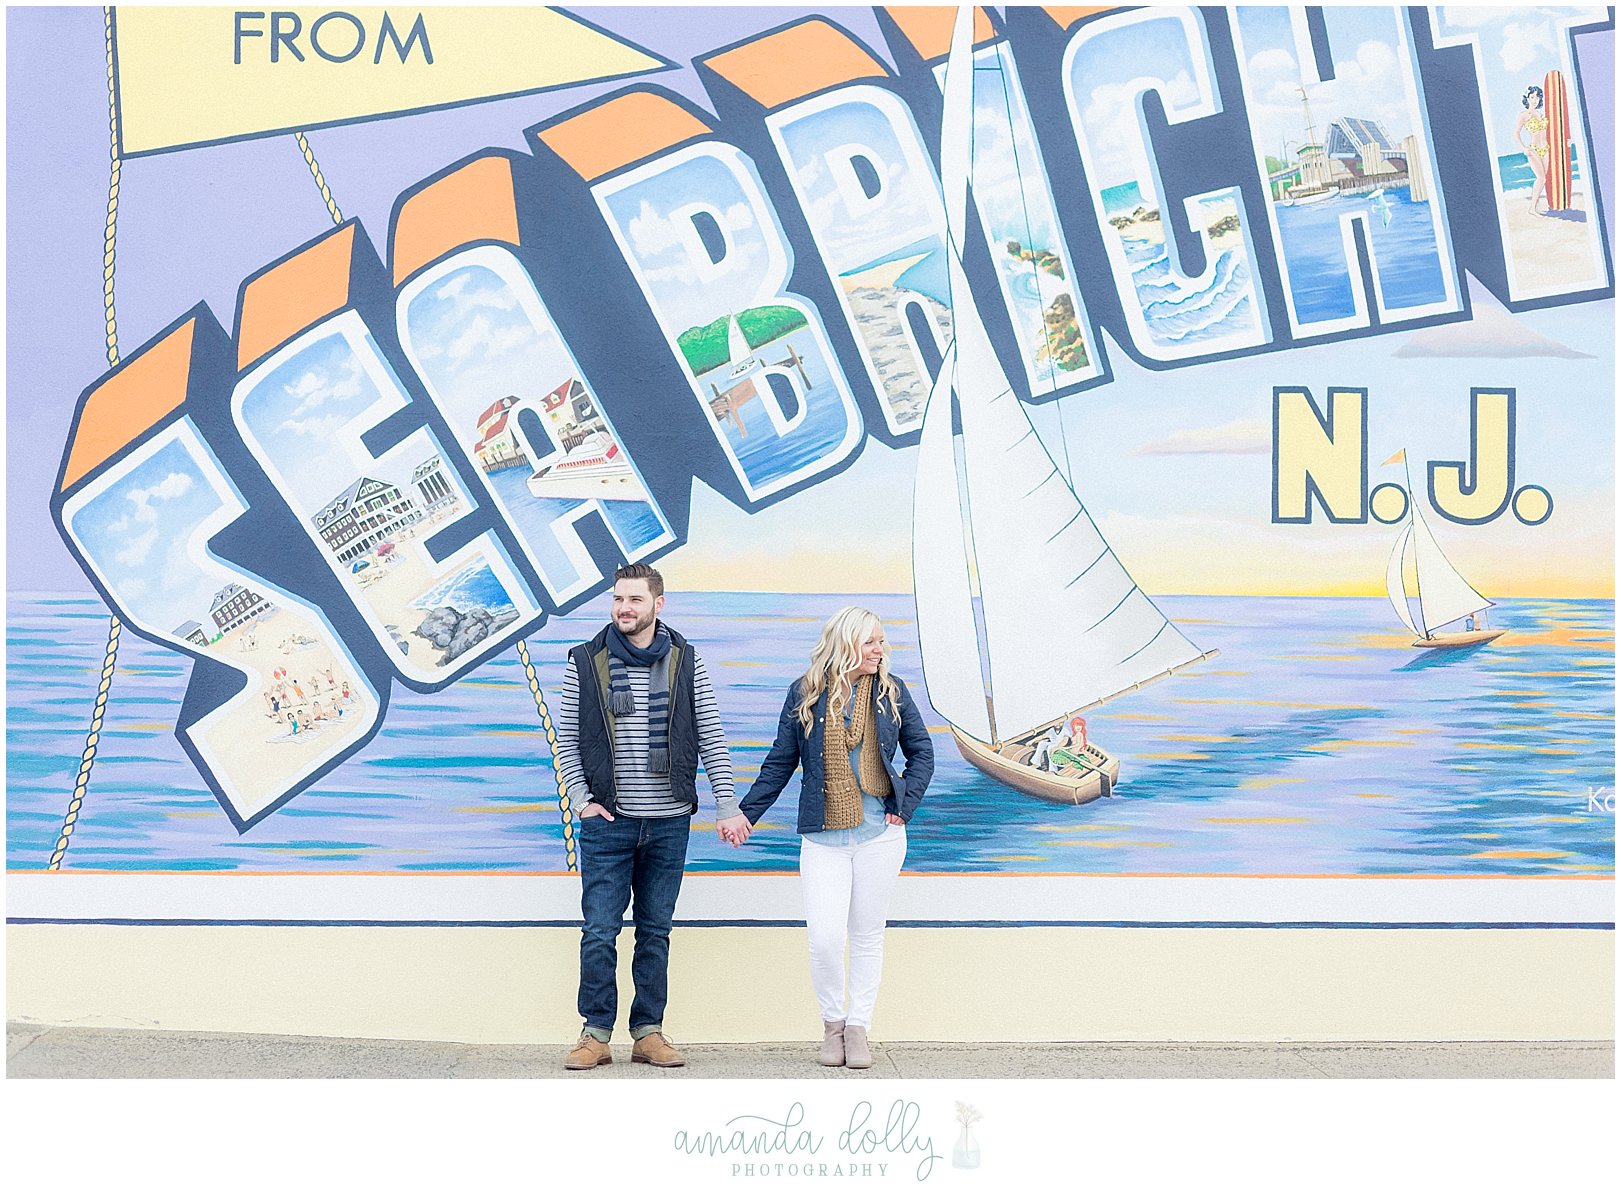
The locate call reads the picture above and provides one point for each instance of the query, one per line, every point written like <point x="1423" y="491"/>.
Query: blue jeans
<point x="630" y="860"/>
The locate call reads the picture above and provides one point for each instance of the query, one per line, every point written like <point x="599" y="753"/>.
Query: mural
<point x="1215" y="404"/>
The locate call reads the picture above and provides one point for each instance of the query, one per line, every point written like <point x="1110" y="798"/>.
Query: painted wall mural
<point x="1215" y="404"/>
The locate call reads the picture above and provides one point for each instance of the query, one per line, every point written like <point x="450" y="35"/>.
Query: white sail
<point x="957" y="136"/>
<point x="1393" y="580"/>
<point x="736" y="345"/>
<point x="947" y="636"/>
<point x="1443" y="594"/>
<point x="1065" y="624"/>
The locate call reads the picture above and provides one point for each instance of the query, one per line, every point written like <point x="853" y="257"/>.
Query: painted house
<point x="437" y="491"/>
<point x="498" y="446"/>
<point x="192" y="633"/>
<point x="572" y="412"/>
<point x="1315" y="167"/>
<point x="365" y="515"/>
<point x="234" y="605"/>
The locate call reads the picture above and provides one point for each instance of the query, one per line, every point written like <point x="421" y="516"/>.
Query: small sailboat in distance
<point x="1025" y="616"/>
<point x="1444" y="596"/>
<point x="742" y="357"/>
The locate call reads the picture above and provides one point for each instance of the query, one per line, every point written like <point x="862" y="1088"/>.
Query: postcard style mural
<point x="475" y="325"/>
<point x="1214" y="403"/>
<point x="1178" y="310"/>
<point x="1360" y="162"/>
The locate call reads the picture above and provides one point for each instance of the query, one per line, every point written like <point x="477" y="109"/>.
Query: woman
<point x="841" y="724"/>
<point x="1534" y="120"/>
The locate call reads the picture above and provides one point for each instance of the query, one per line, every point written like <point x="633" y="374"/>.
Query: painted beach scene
<point x="1536" y="131"/>
<point x="305" y="698"/>
<point x="860" y="172"/>
<point x="1177" y="310"/>
<point x="371" y="515"/>
<point x="1182" y="306"/>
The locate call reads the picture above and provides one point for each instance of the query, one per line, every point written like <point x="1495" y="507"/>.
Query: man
<point x="638" y="713"/>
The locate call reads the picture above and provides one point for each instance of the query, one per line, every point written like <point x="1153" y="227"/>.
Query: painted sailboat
<point x="743" y="360"/>
<point x="1025" y="615"/>
<point x="1444" y="596"/>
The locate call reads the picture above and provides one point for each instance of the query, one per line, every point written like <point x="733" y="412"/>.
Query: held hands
<point x="595" y="809"/>
<point x="894" y="819"/>
<point x="735" y="829"/>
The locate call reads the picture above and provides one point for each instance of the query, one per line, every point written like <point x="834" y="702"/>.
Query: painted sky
<point x="478" y="344"/>
<point x="1370" y="80"/>
<point x="308" y="407"/>
<point x="193" y="224"/>
<point x="1003" y="149"/>
<point x="1518" y="46"/>
<point x="859" y="230"/>
<point x="1110" y="72"/>
<point x="139" y="532"/>
<point x="689" y="287"/>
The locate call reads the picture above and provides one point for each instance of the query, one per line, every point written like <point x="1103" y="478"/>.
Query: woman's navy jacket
<point x="794" y="749"/>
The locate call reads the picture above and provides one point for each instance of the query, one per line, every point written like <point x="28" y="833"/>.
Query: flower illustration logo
<point x="966" y="1153"/>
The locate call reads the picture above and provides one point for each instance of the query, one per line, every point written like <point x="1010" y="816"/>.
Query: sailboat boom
<point x="1130" y="689"/>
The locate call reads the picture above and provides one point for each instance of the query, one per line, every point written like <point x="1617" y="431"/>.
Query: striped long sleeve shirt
<point x="638" y="792"/>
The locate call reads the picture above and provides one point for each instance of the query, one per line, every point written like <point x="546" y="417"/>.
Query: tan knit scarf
<point x="841" y="798"/>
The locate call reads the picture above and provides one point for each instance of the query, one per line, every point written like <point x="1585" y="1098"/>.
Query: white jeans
<point x="847" y="890"/>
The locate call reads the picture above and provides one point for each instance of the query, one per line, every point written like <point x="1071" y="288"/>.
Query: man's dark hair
<point x="654" y="580"/>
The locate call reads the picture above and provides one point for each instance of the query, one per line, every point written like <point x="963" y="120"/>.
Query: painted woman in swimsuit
<point x="1535" y="122"/>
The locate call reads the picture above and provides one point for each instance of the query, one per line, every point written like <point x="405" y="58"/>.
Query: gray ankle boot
<point x="856" y="1053"/>
<point x="832" y="1043"/>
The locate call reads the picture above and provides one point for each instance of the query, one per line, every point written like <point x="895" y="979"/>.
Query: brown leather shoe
<point x="653" y="1049"/>
<point x="588" y="1054"/>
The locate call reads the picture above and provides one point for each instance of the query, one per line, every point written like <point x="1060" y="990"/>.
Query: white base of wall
<point x="517" y="985"/>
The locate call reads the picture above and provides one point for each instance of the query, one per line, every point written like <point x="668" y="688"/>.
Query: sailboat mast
<point x="981" y="636"/>
<point x="1412" y="515"/>
<point x="957" y="179"/>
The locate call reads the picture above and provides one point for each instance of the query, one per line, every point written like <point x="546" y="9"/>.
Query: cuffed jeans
<point x="628" y="861"/>
<point x="847" y="889"/>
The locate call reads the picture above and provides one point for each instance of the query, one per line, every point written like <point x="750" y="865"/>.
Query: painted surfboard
<point x="1556" y="108"/>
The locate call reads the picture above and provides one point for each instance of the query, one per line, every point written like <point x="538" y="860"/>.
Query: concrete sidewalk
<point x="33" y="1051"/>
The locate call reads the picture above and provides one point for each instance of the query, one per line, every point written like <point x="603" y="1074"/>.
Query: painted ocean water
<point x="1122" y="199"/>
<point x="473" y="586"/>
<point x="634" y="521"/>
<point x="927" y="276"/>
<point x="764" y="455"/>
<point x="1403" y="245"/>
<point x="1181" y="313"/>
<point x="1515" y="172"/>
<point x="1319" y="741"/>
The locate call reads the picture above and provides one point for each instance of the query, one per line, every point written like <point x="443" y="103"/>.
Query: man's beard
<point x="637" y="628"/>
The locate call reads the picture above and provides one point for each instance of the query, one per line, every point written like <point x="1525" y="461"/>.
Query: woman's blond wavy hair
<point x="838" y="654"/>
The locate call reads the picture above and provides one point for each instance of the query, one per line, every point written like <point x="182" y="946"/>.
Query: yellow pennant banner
<point x="192" y="76"/>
